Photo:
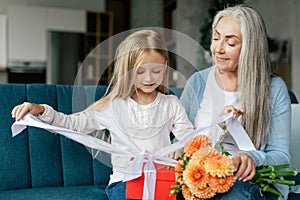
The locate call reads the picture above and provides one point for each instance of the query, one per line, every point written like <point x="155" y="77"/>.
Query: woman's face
<point x="226" y="44"/>
<point x="150" y="73"/>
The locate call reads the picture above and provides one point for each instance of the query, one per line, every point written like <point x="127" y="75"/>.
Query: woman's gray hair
<point x="254" y="72"/>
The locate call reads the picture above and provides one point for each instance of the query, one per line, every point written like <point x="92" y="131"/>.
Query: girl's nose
<point x="148" y="76"/>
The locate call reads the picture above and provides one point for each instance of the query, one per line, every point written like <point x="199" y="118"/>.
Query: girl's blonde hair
<point x="128" y="57"/>
<point x="254" y="72"/>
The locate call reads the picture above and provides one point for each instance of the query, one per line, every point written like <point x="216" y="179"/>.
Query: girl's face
<point x="226" y="44"/>
<point x="150" y="73"/>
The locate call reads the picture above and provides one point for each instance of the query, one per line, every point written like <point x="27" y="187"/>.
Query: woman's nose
<point x="219" y="47"/>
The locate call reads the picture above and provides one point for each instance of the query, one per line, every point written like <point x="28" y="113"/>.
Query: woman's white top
<point x="133" y="127"/>
<point x="213" y="104"/>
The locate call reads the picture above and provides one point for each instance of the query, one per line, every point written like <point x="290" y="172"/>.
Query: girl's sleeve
<point x="84" y="122"/>
<point x="182" y="126"/>
<point x="276" y="151"/>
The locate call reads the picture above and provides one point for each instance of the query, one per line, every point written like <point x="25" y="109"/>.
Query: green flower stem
<point x="286" y="173"/>
<point x="272" y="168"/>
<point x="276" y="167"/>
<point x="175" y="189"/>
<point x="267" y="188"/>
<point x="270" y="175"/>
<point x="278" y="174"/>
<point x="278" y="181"/>
<point x="266" y="175"/>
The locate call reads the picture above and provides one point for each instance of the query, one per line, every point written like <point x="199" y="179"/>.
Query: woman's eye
<point x="232" y="43"/>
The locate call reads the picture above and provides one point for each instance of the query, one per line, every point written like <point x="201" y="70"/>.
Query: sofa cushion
<point x="76" y="160"/>
<point x="44" y="148"/>
<point x="14" y="156"/>
<point x="56" y="193"/>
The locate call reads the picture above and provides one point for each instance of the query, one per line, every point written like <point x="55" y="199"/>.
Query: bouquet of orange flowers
<point x="202" y="172"/>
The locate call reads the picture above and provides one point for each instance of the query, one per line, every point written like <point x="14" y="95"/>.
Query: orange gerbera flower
<point x="197" y="143"/>
<point x="203" y="172"/>
<point x="178" y="171"/>
<point x="204" y="193"/>
<point x="195" y="175"/>
<point x="220" y="166"/>
<point x="187" y="193"/>
<point x="221" y="184"/>
<point x="201" y="155"/>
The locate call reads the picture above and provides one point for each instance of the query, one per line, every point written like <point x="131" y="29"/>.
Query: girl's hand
<point x="21" y="110"/>
<point x="236" y="111"/>
<point x="245" y="167"/>
<point x="175" y="155"/>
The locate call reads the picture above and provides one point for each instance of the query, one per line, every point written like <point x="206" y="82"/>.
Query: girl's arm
<point x="182" y="126"/>
<point x="84" y="122"/>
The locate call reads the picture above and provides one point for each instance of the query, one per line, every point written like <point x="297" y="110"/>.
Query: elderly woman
<point x="242" y="77"/>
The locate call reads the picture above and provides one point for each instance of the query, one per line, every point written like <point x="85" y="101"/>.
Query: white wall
<point x="68" y="20"/>
<point x="3" y="42"/>
<point x="27" y="33"/>
<point x="3" y="45"/>
<point x="93" y="5"/>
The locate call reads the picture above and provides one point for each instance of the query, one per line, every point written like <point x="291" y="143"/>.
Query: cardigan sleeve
<point x="192" y="93"/>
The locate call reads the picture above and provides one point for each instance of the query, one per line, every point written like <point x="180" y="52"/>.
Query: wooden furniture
<point x="98" y="50"/>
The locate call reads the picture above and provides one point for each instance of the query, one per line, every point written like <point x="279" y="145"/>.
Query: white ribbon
<point x="135" y="168"/>
<point x="239" y="135"/>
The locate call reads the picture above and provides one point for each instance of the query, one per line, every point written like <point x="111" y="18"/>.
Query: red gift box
<point x="165" y="178"/>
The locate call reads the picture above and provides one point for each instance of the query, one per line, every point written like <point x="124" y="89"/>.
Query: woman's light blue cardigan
<point x="276" y="151"/>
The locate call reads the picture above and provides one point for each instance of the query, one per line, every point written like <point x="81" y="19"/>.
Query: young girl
<point x="136" y="111"/>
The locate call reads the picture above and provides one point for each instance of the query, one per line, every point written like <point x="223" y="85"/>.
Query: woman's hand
<point x="236" y="111"/>
<point x="21" y="110"/>
<point x="245" y="167"/>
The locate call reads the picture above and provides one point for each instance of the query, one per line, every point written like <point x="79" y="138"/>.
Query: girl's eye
<point x="158" y="69"/>
<point x="140" y="71"/>
<point x="230" y="44"/>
